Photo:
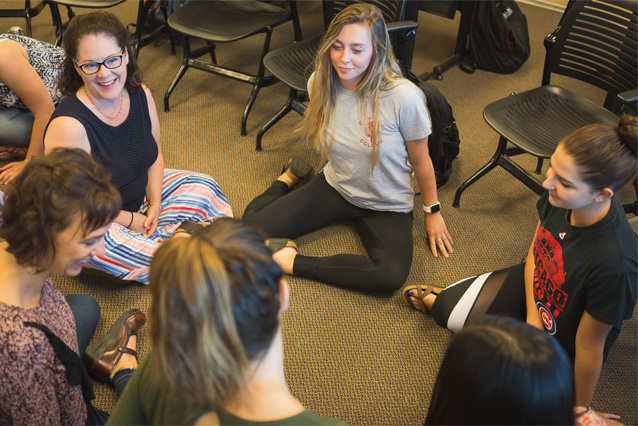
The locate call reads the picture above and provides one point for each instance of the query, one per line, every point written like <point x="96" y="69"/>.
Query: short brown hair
<point x="96" y="23"/>
<point x="44" y="200"/>
<point x="605" y="154"/>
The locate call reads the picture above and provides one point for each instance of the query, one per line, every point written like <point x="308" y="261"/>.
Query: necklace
<point x="100" y="111"/>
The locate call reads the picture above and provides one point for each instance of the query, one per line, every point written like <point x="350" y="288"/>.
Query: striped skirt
<point x="185" y="196"/>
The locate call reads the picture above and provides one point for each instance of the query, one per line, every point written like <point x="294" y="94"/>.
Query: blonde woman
<point x="372" y="126"/>
<point x="215" y="319"/>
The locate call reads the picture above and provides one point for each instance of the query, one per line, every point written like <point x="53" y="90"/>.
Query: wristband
<point x="132" y="217"/>
<point x="436" y="207"/>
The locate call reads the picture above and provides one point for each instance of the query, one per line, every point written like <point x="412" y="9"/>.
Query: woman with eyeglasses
<point x="28" y="71"/>
<point x="111" y="114"/>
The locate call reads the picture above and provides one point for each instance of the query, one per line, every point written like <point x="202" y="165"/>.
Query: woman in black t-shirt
<point x="580" y="279"/>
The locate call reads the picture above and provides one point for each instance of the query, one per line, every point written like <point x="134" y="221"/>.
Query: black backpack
<point x="444" y="141"/>
<point x="499" y="39"/>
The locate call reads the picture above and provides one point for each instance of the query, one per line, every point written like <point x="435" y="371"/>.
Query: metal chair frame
<point x="303" y="54"/>
<point x="139" y="40"/>
<point x="257" y="81"/>
<point x="595" y="42"/>
<point x="27" y="13"/>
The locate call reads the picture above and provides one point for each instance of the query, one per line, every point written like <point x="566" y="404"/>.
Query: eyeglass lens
<point x="94" y="67"/>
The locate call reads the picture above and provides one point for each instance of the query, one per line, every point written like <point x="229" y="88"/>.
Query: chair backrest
<point x="393" y="10"/>
<point x="596" y="43"/>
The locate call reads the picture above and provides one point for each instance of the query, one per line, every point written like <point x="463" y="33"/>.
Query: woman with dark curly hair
<point x="53" y="220"/>
<point x="111" y="114"/>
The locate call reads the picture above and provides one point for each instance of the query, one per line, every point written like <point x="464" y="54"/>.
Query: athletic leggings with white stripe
<point x="185" y="196"/>
<point x="494" y="293"/>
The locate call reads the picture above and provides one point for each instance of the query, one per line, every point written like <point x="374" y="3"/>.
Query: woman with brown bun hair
<point x="580" y="279"/>
<point x="217" y="348"/>
<point x="109" y="113"/>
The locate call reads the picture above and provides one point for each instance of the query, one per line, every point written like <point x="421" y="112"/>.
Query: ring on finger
<point x="440" y="240"/>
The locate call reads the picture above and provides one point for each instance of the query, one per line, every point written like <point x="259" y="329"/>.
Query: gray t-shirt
<point x="404" y="117"/>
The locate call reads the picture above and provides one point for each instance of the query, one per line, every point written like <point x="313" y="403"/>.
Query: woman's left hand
<point x="152" y="216"/>
<point x="438" y="234"/>
<point x="10" y="171"/>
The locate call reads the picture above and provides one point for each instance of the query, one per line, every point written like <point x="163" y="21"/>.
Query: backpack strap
<point x="76" y="373"/>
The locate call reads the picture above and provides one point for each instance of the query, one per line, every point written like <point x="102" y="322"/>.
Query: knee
<point x="390" y="275"/>
<point x="84" y="307"/>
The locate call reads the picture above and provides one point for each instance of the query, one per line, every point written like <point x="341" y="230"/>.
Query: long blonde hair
<point x="381" y="74"/>
<point x="215" y="309"/>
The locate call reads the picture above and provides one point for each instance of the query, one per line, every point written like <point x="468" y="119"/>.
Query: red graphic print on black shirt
<point x="549" y="274"/>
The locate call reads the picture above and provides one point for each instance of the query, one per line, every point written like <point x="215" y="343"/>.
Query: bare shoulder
<point x="66" y="132"/>
<point x="147" y="92"/>
<point x="10" y="49"/>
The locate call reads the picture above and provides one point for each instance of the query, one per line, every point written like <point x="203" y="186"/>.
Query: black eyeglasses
<point x="90" y="68"/>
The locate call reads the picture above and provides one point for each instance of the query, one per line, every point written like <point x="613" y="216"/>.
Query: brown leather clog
<point x="103" y="354"/>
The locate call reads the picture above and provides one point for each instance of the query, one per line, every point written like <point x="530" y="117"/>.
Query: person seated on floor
<point x="217" y="349"/>
<point x="580" y="279"/>
<point x="28" y="71"/>
<point x="52" y="220"/>
<point x="499" y="371"/>
<point x="372" y="125"/>
<point x="111" y="114"/>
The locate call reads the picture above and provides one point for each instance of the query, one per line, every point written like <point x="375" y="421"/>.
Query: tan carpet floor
<point x="364" y="358"/>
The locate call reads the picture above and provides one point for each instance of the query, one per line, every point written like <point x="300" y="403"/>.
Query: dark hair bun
<point x="628" y="131"/>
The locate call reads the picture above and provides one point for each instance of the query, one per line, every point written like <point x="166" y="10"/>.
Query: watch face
<point x="435" y="208"/>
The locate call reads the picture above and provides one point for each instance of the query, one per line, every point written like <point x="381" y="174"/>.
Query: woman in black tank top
<point x="109" y="113"/>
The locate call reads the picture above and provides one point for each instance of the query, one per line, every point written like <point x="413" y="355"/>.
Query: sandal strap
<point x="276" y="244"/>
<point x="126" y="350"/>
<point x="189" y="227"/>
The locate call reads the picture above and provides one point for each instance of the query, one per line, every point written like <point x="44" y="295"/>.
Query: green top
<point x="144" y="402"/>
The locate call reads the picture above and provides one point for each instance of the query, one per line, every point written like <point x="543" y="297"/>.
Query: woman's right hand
<point x="137" y="224"/>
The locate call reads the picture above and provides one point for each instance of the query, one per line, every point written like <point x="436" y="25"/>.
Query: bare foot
<point x="126" y="360"/>
<point x="426" y="303"/>
<point x="285" y="258"/>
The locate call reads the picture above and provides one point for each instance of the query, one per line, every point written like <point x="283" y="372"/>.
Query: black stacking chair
<point x="595" y="43"/>
<point x="142" y="10"/>
<point x="27" y="13"/>
<point x="292" y="64"/>
<point x="226" y="22"/>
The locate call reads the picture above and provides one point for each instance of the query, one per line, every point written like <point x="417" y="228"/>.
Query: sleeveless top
<point x="45" y="58"/>
<point x="127" y="150"/>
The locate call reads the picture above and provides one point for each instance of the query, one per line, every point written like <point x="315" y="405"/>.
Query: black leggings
<point x="386" y="236"/>
<point x="495" y="293"/>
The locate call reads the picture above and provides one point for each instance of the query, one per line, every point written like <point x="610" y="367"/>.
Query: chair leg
<point x="57" y="19"/>
<point x="142" y="10"/>
<point x="180" y="72"/>
<point x="213" y="58"/>
<point x="27" y="17"/>
<point x="171" y="36"/>
<point x="281" y="114"/>
<point x="539" y="166"/>
<point x="502" y="145"/>
<point x="258" y="82"/>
